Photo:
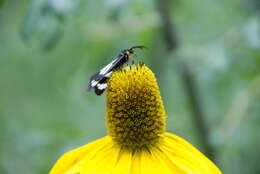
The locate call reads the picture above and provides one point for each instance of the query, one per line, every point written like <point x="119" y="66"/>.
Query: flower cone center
<point x="135" y="113"/>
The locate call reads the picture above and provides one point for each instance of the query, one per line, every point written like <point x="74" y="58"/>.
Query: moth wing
<point x="112" y="65"/>
<point x="94" y="79"/>
<point x="102" y="74"/>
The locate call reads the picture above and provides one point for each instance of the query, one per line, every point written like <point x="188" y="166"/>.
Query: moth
<point x="98" y="81"/>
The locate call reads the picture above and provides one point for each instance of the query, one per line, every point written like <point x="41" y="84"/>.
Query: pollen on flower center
<point x="135" y="113"/>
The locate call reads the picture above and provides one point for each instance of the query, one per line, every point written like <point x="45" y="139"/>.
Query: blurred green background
<point x="205" y="54"/>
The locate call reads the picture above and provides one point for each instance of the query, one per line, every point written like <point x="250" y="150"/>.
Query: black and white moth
<point x="98" y="81"/>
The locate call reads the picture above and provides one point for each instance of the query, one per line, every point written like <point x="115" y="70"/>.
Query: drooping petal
<point x="172" y="155"/>
<point x="185" y="156"/>
<point x="98" y="157"/>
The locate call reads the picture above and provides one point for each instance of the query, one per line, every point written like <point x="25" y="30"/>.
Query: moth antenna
<point x="139" y="46"/>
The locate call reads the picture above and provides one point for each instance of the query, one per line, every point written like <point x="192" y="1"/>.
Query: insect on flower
<point x="98" y="81"/>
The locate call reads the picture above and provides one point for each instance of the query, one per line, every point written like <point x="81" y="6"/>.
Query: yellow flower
<point x="137" y="142"/>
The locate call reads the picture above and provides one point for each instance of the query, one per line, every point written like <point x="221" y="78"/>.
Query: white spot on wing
<point x="102" y="86"/>
<point x="94" y="83"/>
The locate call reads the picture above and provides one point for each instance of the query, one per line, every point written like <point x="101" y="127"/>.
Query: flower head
<point x="135" y="112"/>
<point x="137" y="142"/>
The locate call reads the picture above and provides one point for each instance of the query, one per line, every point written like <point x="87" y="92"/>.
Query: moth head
<point x="131" y="50"/>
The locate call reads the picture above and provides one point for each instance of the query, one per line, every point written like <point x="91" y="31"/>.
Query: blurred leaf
<point x="31" y="19"/>
<point x="52" y="38"/>
<point x="114" y="15"/>
<point x="254" y="4"/>
<point x="2" y="2"/>
<point x="45" y="20"/>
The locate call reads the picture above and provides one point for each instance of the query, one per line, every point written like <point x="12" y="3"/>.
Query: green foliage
<point x="49" y="49"/>
<point x="2" y="2"/>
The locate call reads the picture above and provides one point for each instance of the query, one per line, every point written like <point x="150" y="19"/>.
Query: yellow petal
<point x="82" y="158"/>
<point x="185" y="156"/>
<point x="172" y="155"/>
<point x="123" y="164"/>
